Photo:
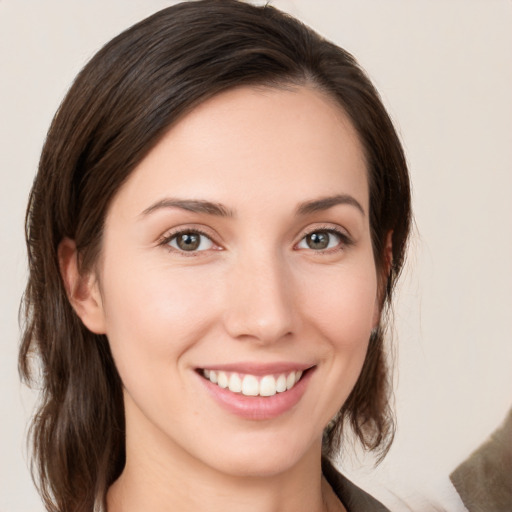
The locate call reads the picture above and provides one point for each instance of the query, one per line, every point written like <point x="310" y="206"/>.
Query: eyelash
<point x="345" y="240"/>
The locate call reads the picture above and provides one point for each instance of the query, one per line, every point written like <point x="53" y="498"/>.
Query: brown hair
<point x="118" y="108"/>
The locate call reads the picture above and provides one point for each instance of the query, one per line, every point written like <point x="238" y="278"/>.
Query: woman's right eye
<point x="189" y="241"/>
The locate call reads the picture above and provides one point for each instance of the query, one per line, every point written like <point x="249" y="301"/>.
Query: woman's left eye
<point x="190" y="241"/>
<point x="321" y="240"/>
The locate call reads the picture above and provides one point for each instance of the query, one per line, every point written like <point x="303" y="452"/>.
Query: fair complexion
<point x="239" y="246"/>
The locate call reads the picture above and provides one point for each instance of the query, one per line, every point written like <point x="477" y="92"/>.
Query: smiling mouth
<point x="252" y="385"/>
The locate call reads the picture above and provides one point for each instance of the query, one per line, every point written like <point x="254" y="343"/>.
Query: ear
<point x="388" y="255"/>
<point x="383" y="278"/>
<point x="82" y="290"/>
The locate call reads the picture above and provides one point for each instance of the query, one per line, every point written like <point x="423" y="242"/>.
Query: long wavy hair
<point x="118" y="108"/>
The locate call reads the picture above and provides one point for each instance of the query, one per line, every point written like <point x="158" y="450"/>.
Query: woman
<point x="218" y="221"/>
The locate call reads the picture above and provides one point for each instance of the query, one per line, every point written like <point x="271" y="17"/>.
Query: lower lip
<point x="258" y="407"/>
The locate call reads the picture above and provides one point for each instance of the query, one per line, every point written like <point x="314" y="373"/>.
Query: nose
<point x="260" y="300"/>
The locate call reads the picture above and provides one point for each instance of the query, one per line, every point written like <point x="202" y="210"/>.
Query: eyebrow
<point x="217" y="209"/>
<point x="191" y="205"/>
<point x="324" y="203"/>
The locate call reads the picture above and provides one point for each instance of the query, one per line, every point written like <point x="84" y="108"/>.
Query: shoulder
<point x="354" y="498"/>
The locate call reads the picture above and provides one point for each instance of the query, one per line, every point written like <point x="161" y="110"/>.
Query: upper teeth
<point x="251" y="385"/>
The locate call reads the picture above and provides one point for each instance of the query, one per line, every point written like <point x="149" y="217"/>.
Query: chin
<point x="264" y="456"/>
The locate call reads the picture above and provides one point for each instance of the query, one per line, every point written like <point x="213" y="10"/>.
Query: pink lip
<point x="257" y="407"/>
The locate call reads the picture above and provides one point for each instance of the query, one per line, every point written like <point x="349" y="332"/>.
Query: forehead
<point x="265" y="146"/>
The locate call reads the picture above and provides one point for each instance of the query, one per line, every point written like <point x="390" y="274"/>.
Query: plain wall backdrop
<point x="444" y="70"/>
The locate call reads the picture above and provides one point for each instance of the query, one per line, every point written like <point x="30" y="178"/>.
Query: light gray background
<point x="445" y="72"/>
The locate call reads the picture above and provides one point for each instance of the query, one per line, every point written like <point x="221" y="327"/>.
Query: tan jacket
<point x="484" y="480"/>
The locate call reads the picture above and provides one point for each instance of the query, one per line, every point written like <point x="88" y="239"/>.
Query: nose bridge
<point x="259" y="297"/>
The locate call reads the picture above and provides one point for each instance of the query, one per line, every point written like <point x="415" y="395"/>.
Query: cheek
<point x="343" y="304"/>
<point x="340" y="307"/>
<point x="154" y="315"/>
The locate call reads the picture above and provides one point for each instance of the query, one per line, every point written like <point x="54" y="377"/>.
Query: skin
<point x="254" y="292"/>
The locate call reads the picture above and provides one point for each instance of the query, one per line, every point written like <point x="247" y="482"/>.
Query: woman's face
<point x="238" y="254"/>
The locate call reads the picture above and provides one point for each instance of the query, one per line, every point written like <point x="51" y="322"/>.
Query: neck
<point x="164" y="478"/>
<point x="132" y="492"/>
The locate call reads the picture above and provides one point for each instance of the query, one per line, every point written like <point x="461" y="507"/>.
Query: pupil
<point x="318" y="240"/>
<point x="188" y="242"/>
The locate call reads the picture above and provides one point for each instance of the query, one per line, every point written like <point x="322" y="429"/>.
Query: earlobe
<point x="82" y="290"/>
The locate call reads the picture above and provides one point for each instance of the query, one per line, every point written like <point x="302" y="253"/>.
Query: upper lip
<point x="259" y="368"/>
